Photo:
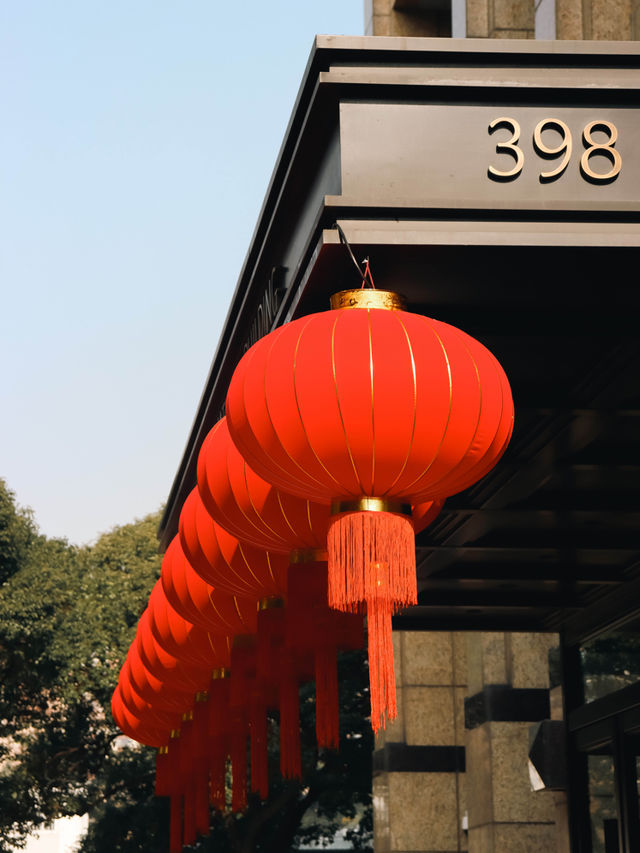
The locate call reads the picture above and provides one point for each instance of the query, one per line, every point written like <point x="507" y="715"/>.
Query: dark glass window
<point x="611" y="662"/>
<point x="602" y="804"/>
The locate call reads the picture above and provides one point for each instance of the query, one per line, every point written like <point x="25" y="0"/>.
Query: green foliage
<point x="17" y="532"/>
<point x="129" y="818"/>
<point x="67" y="618"/>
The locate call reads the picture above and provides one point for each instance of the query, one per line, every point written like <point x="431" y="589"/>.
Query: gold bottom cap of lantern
<point x="368" y="504"/>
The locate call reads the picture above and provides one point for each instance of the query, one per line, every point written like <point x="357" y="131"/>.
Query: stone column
<point x="508" y="690"/>
<point x="617" y="20"/>
<point x="405" y="18"/>
<point x="575" y="19"/>
<point x="418" y="782"/>
<point x="513" y="19"/>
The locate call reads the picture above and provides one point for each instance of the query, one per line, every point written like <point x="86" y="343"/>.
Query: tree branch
<point x="288" y="828"/>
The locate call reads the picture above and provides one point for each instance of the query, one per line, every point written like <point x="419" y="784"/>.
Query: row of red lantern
<point x="346" y="418"/>
<point x="441" y="406"/>
<point x="166" y="686"/>
<point x="243" y="569"/>
<point x="313" y="630"/>
<point x="189" y="621"/>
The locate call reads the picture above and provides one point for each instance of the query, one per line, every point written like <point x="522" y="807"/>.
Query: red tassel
<point x="189" y="834"/>
<point x="219" y="704"/>
<point x="307" y="598"/>
<point x="270" y="640"/>
<point x="201" y="784"/>
<point x="315" y="632"/>
<point x="200" y="761"/>
<point x="311" y="632"/>
<point x="372" y="566"/>
<point x="219" y="738"/>
<point x="349" y="631"/>
<point x="239" y="769"/>
<point x="259" y="752"/>
<point x="218" y="773"/>
<point x="290" y="758"/>
<point x="382" y="683"/>
<point x="327" y="712"/>
<point x="163" y="773"/>
<point x="185" y="752"/>
<point x="243" y="671"/>
<point x="185" y="759"/>
<point x="355" y="540"/>
<point x="175" y="824"/>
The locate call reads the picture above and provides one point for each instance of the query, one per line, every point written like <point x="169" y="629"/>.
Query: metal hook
<point x="345" y="242"/>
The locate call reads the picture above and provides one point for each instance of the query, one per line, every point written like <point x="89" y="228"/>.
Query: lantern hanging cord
<point x="363" y="273"/>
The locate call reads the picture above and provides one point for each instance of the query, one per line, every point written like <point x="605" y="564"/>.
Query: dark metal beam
<point x="524" y="573"/>
<point x="425" y="618"/>
<point x="611" y="609"/>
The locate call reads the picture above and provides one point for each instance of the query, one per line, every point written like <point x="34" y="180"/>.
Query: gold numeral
<point x="606" y="148"/>
<point x="565" y="146"/>
<point x="510" y="147"/>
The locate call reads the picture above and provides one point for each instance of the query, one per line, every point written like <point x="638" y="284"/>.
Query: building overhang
<point x="395" y="140"/>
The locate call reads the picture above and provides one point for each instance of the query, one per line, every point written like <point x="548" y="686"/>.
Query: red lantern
<point x="218" y="612"/>
<point x="370" y="408"/>
<point x="166" y="666"/>
<point x="133" y="726"/>
<point x="249" y="507"/>
<point x="225" y="562"/>
<point x="139" y="706"/>
<point x="181" y="638"/>
<point x="157" y="692"/>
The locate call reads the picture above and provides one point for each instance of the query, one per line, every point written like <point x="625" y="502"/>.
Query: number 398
<point x="564" y="149"/>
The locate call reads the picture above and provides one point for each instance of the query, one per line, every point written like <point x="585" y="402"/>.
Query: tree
<point x="67" y="617"/>
<point x="17" y="532"/>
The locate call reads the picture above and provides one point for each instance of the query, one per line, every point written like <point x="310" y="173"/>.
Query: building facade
<point x="494" y="800"/>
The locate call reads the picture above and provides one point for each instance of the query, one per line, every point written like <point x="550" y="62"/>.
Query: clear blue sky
<point x="138" y="138"/>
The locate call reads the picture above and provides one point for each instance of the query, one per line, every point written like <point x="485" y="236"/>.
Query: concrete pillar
<point x="418" y="784"/>
<point x="513" y="19"/>
<point x="406" y="18"/>
<point x="575" y="19"/>
<point x="617" y="20"/>
<point x="508" y="690"/>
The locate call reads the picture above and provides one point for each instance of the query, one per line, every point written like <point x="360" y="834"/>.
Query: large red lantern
<point x="217" y="612"/>
<point x="139" y="707"/>
<point x="134" y="726"/>
<point x="165" y="666"/>
<point x="249" y="507"/>
<point x="370" y="408"/>
<point x="182" y="638"/>
<point x="156" y="691"/>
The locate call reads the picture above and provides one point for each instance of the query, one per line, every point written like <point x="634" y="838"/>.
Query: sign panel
<point x="491" y="156"/>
